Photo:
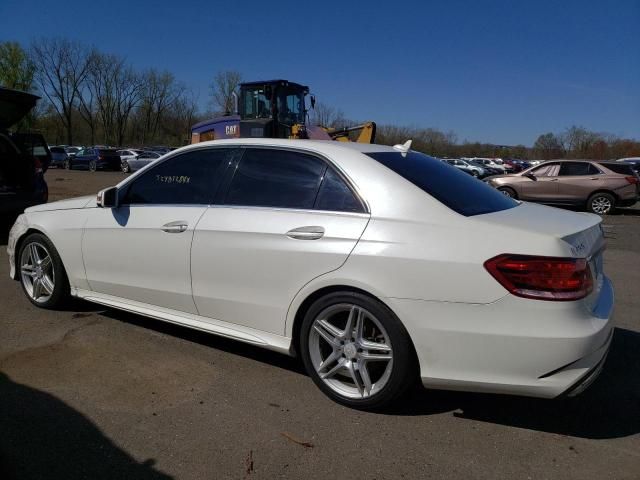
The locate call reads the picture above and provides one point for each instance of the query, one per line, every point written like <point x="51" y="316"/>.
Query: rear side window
<point x="450" y="186"/>
<point x="191" y="178"/>
<point x="624" y="169"/>
<point x="335" y="195"/>
<point x="577" y="168"/>
<point x="276" y="178"/>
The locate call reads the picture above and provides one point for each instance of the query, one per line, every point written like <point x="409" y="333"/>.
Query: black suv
<point x="24" y="157"/>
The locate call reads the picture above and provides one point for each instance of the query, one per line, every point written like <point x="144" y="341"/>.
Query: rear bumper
<point x="512" y="346"/>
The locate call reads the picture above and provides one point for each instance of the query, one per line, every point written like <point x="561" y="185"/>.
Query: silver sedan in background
<point x="133" y="160"/>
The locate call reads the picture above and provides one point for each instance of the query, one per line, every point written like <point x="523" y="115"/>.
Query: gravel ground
<point x="91" y="392"/>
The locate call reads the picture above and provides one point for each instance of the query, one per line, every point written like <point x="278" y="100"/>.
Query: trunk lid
<point x="14" y="106"/>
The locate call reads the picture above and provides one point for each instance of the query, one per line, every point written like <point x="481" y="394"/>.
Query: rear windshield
<point x="624" y="169"/>
<point x="57" y="150"/>
<point x="449" y="185"/>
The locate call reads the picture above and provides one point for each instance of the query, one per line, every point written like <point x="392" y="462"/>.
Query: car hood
<point x="69" y="204"/>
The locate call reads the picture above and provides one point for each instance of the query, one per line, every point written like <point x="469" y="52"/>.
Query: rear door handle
<point x="553" y="180"/>
<point x="306" y="233"/>
<point x="178" y="226"/>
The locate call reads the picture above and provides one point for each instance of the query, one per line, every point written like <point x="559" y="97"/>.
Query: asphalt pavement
<point x="91" y="392"/>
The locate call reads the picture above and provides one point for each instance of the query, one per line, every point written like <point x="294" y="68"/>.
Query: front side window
<point x="577" y="169"/>
<point x="452" y="187"/>
<point x="547" y="170"/>
<point x="276" y="178"/>
<point x="189" y="178"/>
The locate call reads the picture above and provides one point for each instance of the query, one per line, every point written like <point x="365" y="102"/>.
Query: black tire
<point x="93" y="166"/>
<point x="60" y="294"/>
<point x="508" y="191"/>
<point x="404" y="366"/>
<point x="125" y="167"/>
<point x="601" y="203"/>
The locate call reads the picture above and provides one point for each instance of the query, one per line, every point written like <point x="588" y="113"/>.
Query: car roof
<point x="302" y="144"/>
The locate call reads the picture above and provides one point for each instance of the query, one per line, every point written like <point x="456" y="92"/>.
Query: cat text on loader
<point x="275" y="109"/>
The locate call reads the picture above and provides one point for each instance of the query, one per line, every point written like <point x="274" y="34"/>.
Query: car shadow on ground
<point x="610" y="408"/>
<point x="43" y="437"/>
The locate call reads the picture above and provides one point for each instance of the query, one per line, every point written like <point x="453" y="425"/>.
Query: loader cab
<point x="271" y="108"/>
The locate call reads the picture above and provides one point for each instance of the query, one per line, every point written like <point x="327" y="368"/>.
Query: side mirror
<point x="107" y="198"/>
<point x="531" y="176"/>
<point x="313" y="101"/>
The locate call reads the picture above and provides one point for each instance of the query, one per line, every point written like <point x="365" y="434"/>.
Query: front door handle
<point x="553" y="180"/>
<point x="178" y="226"/>
<point x="306" y="233"/>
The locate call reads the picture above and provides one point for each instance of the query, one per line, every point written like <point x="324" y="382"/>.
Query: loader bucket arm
<point x="367" y="133"/>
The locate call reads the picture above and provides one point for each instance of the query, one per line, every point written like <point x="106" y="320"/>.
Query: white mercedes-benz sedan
<point x="376" y="265"/>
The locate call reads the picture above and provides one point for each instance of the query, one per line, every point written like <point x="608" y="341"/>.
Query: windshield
<point x="450" y="186"/>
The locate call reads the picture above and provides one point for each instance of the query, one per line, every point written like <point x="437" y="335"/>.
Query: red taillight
<point x="632" y="180"/>
<point x="542" y="278"/>
<point x="38" y="165"/>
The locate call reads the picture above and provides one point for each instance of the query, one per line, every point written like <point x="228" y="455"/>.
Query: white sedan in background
<point x="354" y="257"/>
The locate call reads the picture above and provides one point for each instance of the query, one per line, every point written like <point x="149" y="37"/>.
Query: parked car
<point x="634" y="162"/>
<point x="132" y="160"/>
<point x="489" y="162"/>
<point x="472" y="170"/>
<point x="489" y="171"/>
<point x="517" y="165"/>
<point x="600" y="187"/>
<point x="95" y="158"/>
<point x="58" y="157"/>
<point x="352" y="256"/>
<point x="22" y="182"/>
<point x="72" y="151"/>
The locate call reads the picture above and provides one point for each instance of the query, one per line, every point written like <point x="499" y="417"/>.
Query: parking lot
<point x="92" y="392"/>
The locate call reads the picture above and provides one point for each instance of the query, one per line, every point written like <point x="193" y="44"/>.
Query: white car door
<point x="287" y="217"/>
<point x="140" y="250"/>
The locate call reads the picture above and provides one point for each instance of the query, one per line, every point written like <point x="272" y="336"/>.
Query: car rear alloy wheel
<point x="67" y="164"/>
<point x="92" y="165"/>
<point x="601" y="203"/>
<point x="125" y="167"/>
<point x="356" y="350"/>
<point x="42" y="276"/>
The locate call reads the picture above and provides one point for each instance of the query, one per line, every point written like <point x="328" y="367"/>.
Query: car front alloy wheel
<point x="42" y="275"/>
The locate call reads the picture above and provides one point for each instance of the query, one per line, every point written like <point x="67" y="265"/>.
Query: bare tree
<point x="224" y="84"/>
<point x="327" y="116"/>
<point x="159" y="91"/>
<point x="61" y="68"/>
<point x="548" y="146"/>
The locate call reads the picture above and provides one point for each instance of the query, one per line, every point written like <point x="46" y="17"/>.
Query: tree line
<point x="91" y="97"/>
